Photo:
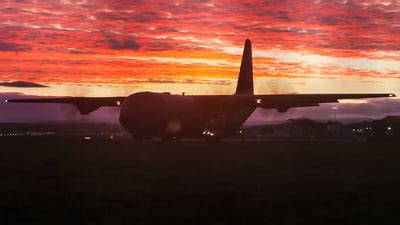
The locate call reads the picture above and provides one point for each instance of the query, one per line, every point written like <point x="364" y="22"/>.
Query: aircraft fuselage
<point x="176" y="116"/>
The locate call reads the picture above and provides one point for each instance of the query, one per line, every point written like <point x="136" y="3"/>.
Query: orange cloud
<point x="125" y="42"/>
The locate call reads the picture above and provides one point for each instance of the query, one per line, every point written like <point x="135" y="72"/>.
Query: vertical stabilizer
<point x="245" y="81"/>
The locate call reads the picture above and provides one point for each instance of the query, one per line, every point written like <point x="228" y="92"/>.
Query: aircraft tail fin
<point x="245" y="81"/>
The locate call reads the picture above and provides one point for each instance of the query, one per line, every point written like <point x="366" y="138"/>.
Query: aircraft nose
<point x="142" y="113"/>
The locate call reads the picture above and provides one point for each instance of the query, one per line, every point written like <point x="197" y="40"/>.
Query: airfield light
<point x="118" y="102"/>
<point x="88" y="138"/>
<point x="6" y="101"/>
<point x="258" y="101"/>
<point x="334" y="108"/>
<point x="211" y="134"/>
<point x="389" y="128"/>
<point x="391" y="95"/>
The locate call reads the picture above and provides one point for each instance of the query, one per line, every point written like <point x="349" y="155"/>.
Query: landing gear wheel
<point x="213" y="140"/>
<point x="137" y="137"/>
<point x="171" y="138"/>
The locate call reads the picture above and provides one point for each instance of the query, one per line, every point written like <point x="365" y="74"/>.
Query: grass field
<point x="45" y="181"/>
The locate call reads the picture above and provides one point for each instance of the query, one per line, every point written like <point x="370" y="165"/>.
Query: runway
<point x="56" y="181"/>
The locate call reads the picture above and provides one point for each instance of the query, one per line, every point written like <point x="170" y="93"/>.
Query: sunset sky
<point x="99" y="48"/>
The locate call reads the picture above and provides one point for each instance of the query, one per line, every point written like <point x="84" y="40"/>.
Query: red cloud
<point x="111" y="41"/>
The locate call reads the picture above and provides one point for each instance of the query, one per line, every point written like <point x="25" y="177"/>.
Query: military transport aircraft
<point x="212" y="117"/>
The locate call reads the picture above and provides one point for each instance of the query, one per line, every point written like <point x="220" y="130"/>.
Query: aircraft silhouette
<point x="212" y="117"/>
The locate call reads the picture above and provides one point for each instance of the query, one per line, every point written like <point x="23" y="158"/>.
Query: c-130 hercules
<point x="212" y="117"/>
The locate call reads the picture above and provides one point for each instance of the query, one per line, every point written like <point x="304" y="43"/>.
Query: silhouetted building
<point x="386" y="129"/>
<point x="304" y="128"/>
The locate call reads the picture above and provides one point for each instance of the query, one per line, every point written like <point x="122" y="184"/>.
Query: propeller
<point x="118" y="91"/>
<point x="70" y="111"/>
<point x="275" y="86"/>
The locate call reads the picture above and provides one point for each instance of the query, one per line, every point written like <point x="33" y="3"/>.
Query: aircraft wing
<point x="85" y="105"/>
<point x="285" y="101"/>
<point x="281" y="102"/>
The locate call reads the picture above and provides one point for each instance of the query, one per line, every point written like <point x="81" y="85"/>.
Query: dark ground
<point x="47" y="181"/>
